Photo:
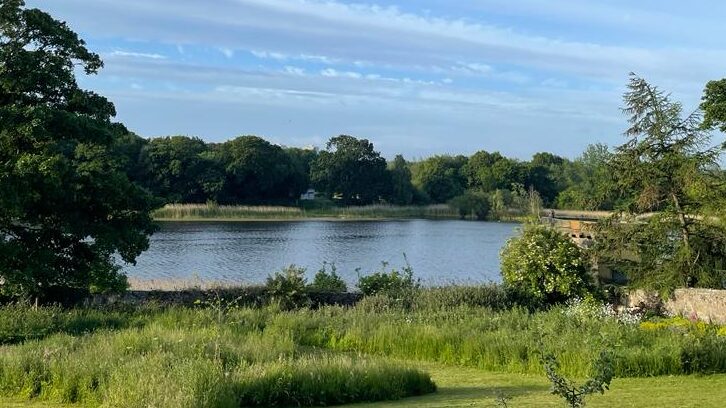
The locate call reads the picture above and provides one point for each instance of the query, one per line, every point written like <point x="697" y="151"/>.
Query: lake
<point x="440" y="251"/>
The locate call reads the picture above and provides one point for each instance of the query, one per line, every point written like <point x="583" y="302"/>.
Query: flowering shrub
<point x="545" y="266"/>
<point x="592" y="309"/>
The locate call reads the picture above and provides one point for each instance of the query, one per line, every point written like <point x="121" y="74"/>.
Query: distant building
<point x="308" y="195"/>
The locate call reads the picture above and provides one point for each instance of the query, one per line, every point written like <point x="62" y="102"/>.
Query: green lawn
<point x="468" y="387"/>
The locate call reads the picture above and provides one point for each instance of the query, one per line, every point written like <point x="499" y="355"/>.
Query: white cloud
<point x="294" y="70"/>
<point x="130" y="54"/>
<point x="332" y="73"/>
<point x="228" y="52"/>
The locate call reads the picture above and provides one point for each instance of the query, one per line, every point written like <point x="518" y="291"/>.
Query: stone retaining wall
<point x="705" y="304"/>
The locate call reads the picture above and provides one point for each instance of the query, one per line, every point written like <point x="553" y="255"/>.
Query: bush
<point x="473" y="204"/>
<point x="394" y="283"/>
<point x="330" y="282"/>
<point x="545" y="266"/>
<point x="287" y="288"/>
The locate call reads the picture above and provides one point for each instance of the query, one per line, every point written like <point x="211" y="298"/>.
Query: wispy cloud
<point x="130" y="54"/>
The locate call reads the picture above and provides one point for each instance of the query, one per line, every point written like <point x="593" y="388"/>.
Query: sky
<point x="416" y="77"/>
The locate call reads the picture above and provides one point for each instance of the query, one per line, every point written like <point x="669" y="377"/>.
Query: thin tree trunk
<point x="682" y="220"/>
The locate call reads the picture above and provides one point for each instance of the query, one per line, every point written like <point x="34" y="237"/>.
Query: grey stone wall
<point x="705" y="304"/>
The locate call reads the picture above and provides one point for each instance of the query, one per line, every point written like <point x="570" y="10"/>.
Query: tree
<point x="402" y="190"/>
<point x="590" y="181"/>
<point x="352" y="168"/>
<point x="440" y="177"/>
<point x="713" y="104"/>
<point x="491" y="171"/>
<point x="666" y="166"/>
<point x="67" y="209"/>
<point x="179" y="171"/>
<point x="474" y="204"/>
<point x="256" y="169"/>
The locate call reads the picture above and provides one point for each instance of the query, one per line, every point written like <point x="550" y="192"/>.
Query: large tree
<point x="67" y="209"/>
<point x="440" y="178"/>
<point x="667" y="175"/>
<point x="714" y="105"/>
<point x="352" y="168"/>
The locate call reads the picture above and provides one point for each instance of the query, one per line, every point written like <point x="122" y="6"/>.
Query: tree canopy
<point x="67" y="207"/>
<point x="352" y="168"/>
<point x="668" y="166"/>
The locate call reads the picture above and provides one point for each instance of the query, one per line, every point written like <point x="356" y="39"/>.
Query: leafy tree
<point x="257" y="170"/>
<point x="300" y="161"/>
<point x="714" y="105"/>
<point x="352" y="168"/>
<point x="67" y="208"/>
<point x="490" y="171"/>
<point x="402" y="190"/>
<point x="590" y="181"/>
<point x="668" y="166"/>
<point x="473" y="204"/>
<point x="440" y="177"/>
<point x="546" y="173"/>
<point x="545" y="266"/>
<point x="180" y="172"/>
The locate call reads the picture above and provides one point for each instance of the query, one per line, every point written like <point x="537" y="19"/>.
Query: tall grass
<point x="194" y="358"/>
<point x="223" y="212"/>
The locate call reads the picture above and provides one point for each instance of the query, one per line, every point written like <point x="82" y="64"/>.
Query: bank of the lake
<point x="201" y="212"/>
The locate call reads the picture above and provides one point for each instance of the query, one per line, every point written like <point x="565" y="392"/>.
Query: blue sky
<point x="417" y="77"/>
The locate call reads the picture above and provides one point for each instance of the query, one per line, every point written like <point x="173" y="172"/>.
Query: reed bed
<point x="241" y="212"/>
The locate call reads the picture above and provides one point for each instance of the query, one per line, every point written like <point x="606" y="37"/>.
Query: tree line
<point x="349" y="171"/>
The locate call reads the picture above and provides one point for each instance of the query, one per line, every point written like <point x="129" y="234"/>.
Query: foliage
<point x="714" y="105"/>
<point x="545" y="265"/>
<point x="668" y="166"/>
<point x="439" y="177"/>
<point x="188" y="357"/>
<point x="599" y="381"/>
<point x="330" y="282"/>
<point x="471" y="204"/>
<point x="395" y="284"/>
<point x="350" y="167"/>
<point x="287" y="288"/>
<point x="402" y="190"/>
<point x="67" y="209"/>
<point x="591" y="181"/>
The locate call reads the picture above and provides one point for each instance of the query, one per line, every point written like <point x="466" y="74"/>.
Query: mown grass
<point x="195" y="212"/>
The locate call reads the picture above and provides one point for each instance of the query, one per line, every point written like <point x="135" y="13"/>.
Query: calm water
<point x="246" y="252"/>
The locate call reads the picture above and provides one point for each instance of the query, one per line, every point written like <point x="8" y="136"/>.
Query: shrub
<point x="545" y="266"/>
<point x="473" y="204"/>
<point x="394" y="283"/>
<point x="325" y="281"/>
<point x="574" y="396"/>
<point x="287" y="288"/>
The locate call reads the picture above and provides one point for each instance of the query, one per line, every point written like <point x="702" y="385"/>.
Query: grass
<point x="219" y="355"/>
<point x="468" y="387"/>
<point x="201" y="212"/>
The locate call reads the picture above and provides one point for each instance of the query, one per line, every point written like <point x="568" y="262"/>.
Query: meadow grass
<point x="220" y="355"/>
<point x="196" y="212"/>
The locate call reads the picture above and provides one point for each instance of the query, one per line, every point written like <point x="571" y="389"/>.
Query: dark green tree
<point x="491" y="171"/>
<point x="257" y="170"/>
<point x="402" y="190"/>
<point x="352" y="168"/>
<point x="667" y="166"/>
<point x="589" y="181"/>
<point x="181" y="171"/>
<point x="440" y="177"/>
<point x="67" y="208"/>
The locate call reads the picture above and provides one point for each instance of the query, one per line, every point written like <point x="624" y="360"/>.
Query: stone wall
<point x="706" y="304"/>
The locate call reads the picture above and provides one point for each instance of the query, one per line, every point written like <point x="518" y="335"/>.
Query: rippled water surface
<point x="246" y="252"/>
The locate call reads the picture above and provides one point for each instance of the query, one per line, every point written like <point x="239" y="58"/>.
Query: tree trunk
<point x="681" y="220"/>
